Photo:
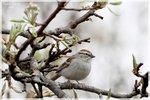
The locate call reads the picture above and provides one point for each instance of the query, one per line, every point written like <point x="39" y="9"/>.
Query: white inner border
<point x="56" y="1"/>
<point x="70" y="0"/>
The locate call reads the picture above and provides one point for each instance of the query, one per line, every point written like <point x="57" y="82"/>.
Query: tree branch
<point x="31" y="39"/>
<point x="73" y="24"/>
<point x="83" y="18"/>
<point x="36" y="78"/>
<point x="92" y="89"/>
<point x="51" y="17"/>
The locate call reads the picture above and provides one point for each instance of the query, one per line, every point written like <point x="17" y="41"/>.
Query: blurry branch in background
<point x="33" y="71"/>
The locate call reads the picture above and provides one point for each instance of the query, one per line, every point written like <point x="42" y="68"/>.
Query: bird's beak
<point x="92" y="56"/>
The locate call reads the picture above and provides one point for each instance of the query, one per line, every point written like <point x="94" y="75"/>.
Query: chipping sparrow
<point x="76" y="67"/>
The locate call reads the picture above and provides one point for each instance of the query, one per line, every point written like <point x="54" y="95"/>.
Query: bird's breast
<point x="77" y="70"/>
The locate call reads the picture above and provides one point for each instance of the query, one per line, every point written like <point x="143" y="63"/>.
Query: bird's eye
<point x="87" y="54"/>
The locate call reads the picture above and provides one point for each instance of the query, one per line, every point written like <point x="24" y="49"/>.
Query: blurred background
<point x="113" y="40"/>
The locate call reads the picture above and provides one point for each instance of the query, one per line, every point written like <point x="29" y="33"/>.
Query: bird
<point x="76" y="67"/>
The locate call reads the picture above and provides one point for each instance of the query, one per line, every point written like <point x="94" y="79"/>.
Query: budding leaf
<point x="116" y="3"/>
<point x="3" y="89"/>
<point x="16" y="29"/>
<point x="75" y="94"/>
<point x="134" y="62"/>
<point x="109" y="94"/>
<point x="102" y="3"/>
<point x="76" y="39"/>
<point x="15" y="89"/>
<point x="136" y="67"/>
<point x="112" y="12"/>
<point x="48" y="94"/>
<point x="37" y="55"/>
<point x="31" y="13"/>
<point x="65" y="44"/>
<point x="18" y="21"/>
<point x="33" y="31"/>
<point x="30" y="94"/>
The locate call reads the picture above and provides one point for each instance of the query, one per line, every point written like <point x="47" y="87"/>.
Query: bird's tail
<point x="55" y="77"/>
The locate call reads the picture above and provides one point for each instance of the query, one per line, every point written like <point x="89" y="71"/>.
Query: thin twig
<point x="35" y="89"/>
<point x="42" y="39"/>
<point x="83" y="18"/>
<point x="50" y="55"/>
<point x="84" y="40"/>
<point x="96" y="15"/>
<point x="54" y="37"/>
<point x="16" y="46"/>
<point x="78" y="9"/>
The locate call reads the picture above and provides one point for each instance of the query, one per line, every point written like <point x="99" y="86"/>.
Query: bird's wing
<point x="65" y="64"/>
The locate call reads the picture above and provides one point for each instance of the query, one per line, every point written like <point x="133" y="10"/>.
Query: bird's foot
<point x="69" y="84"/>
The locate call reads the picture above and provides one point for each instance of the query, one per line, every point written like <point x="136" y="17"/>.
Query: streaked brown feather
<point x="65" y="64"/>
